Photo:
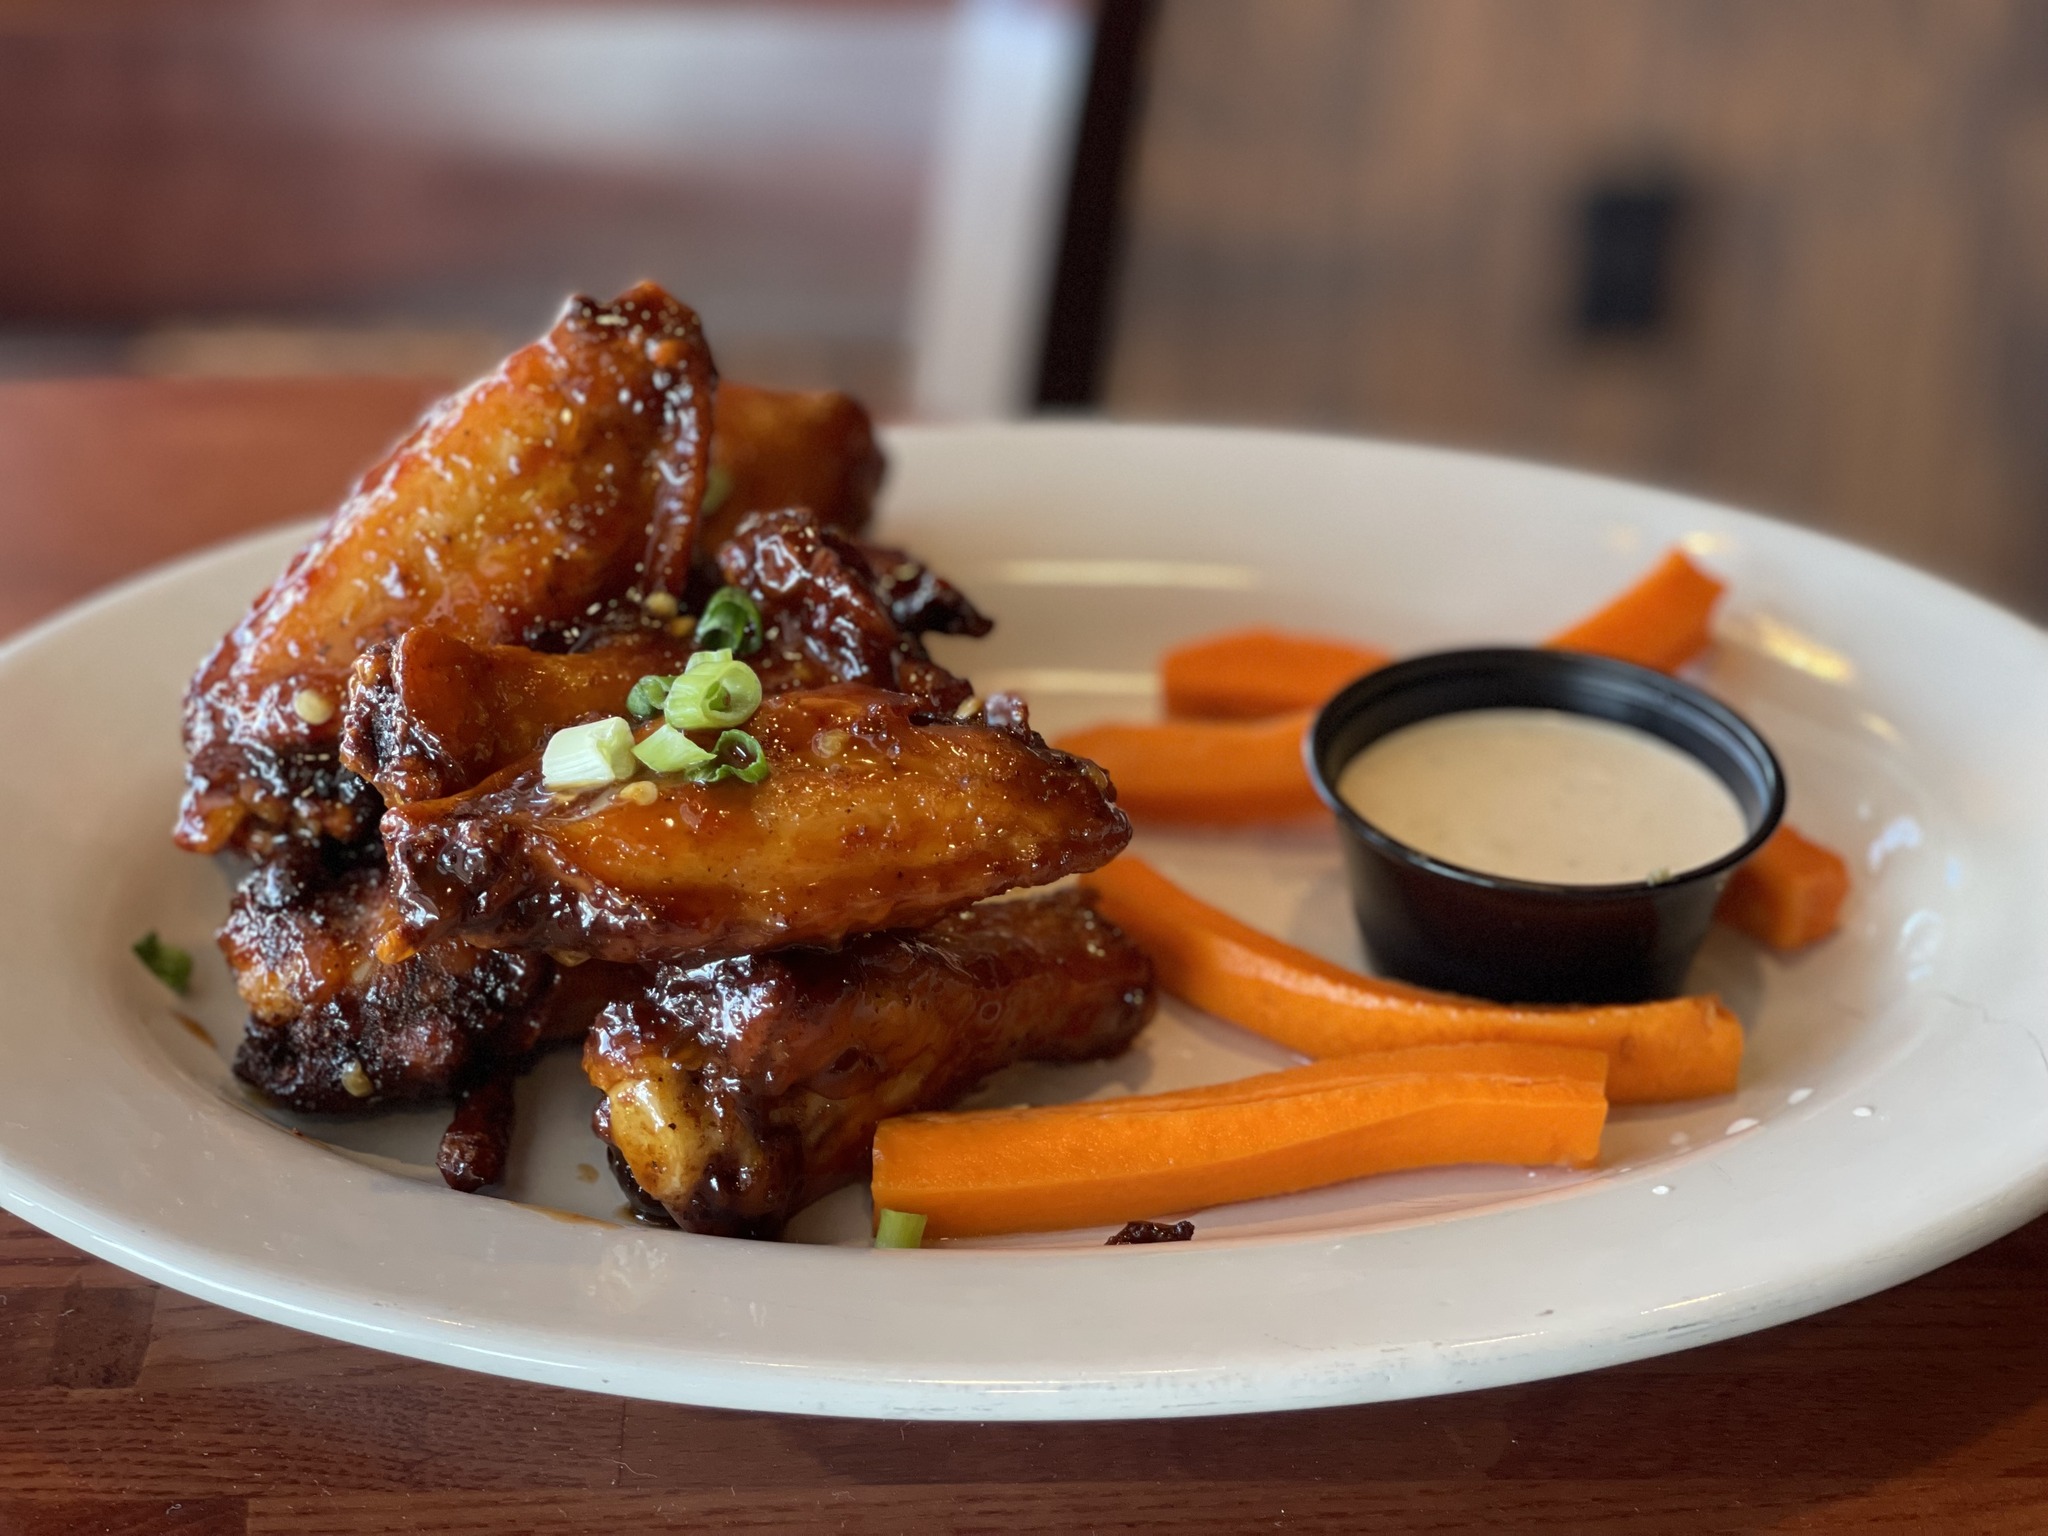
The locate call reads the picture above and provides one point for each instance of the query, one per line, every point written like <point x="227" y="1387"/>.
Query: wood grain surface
<point x="1360" y="214"/>
<point x="127" y="1408"/>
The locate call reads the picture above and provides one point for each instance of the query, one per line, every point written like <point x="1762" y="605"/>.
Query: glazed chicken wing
<point x="827" y="618"/>
<point x="772" y="449"/>
<point x="334" y="1031"/>
<point x="921" y="601"/>
<point x="430" y="714"/>
<point x="874" y="815"/>
<point x="513" y="508"/>
<point x="737" y="1093"/>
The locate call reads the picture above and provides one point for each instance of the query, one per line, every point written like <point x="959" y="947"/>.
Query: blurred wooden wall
<point x="269" y="186"/>
<point x="1368" y="215"/>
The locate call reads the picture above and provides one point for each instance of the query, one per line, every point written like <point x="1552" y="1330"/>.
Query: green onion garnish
<point x="588" y="756"/>
<point x="712" y="695"/>
<point x="668" y="750"/>
<point x="737" y="756"/>
<point x="717" y="486"/>
<point x="167" y="963"/>
<point x="899" y="1229"/>
<point x="730" y="621"/>
<point x="645" y="701"/>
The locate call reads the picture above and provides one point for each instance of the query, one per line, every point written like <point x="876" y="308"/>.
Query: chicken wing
<point x="737" y="1093"/>
<point x="476" y="1148"/>
<point x="827" y="621"/>
<point x="921" y="601"/>
<point x="874" y="815"/>
<point x="515" y="506"/>
<point x="772" y="449"/>
<point x="429" y="714"/>
<point x="334" y="1031"/>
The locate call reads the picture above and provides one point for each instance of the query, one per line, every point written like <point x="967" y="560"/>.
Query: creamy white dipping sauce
<point x="1544" y="795"/>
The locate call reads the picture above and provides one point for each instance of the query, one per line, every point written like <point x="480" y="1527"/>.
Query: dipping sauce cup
<point x="1461" y="930"/>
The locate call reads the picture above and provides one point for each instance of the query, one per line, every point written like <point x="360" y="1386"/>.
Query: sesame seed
<point x="312" y="707"/>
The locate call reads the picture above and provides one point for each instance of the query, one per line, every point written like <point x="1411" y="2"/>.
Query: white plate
<point x="1892" y="1115"/>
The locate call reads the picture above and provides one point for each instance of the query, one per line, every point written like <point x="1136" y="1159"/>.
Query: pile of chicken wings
<point x="758" y="972"/>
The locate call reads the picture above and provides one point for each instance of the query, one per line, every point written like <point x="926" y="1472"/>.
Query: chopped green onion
<point x="737" y="756"/>
<point x="168" y="963"/>
<point x="730" y="620"/>
<point x="717" y="486"/>
<point x="668" y="750"/>
<point x="588" y="756"/>
<point x="899" y="1229"/>
<point x="645" y="701"/>
<point x="712" y="696"/>
<point x="699" y="660"/>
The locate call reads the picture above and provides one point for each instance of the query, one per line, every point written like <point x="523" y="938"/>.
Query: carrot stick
<point x="1503" y="1058"/>
<point x="1248" y="674"/>
<point x="1662" y="621"/>
<point x="1788" y="894"/>
<point x="1682" y="1048"/>
<point x="1116" y="1160"/>
<point x="1212" y="772"/>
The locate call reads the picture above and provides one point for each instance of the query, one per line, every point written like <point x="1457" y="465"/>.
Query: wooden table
<point x="128" y="1408"/>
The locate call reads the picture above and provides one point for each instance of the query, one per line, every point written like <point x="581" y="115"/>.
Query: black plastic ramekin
<point x="1459" y="930"/>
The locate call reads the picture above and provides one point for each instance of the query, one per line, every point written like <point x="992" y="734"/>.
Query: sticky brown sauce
<point x="194" y="1028"/>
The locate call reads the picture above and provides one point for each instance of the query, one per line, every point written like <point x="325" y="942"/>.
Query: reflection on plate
<point x="1891" y="1116"/>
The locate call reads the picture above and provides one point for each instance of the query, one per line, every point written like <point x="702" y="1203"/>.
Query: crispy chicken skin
<point x="826" y="620"/>
<point x="875" y="815"/>
<point x="772" y="449"/>
<point x="334" y="1031"/>
<point x="430" y="714"/>
<point x="737" y="1093"/>
<point x="511" y="509"/>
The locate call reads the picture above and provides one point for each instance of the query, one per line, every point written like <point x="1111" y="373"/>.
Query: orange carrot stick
<point x="1663" y="621"/>
<point x="1248" y="674"/>
<point x="1787" y="895"/>
<point x="1505" y="1058"/>
<point x="1213" y="772"/>
<point x="1681" y="1048"/>
<point x="1117" y="1160"/>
